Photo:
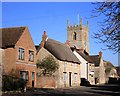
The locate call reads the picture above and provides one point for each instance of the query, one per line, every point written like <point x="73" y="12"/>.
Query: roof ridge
<point x="13" y="27"/>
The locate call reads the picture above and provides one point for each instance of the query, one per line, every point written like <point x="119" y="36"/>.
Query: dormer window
<point x="74" y="36"/>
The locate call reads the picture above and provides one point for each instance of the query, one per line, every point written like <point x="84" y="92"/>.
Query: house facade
<point x="19" y="56"/>
<point x="100" y="76"/>
<point x="1" y="63"/>
<point x="68" y="73"/>
<point x="87" y="67"/>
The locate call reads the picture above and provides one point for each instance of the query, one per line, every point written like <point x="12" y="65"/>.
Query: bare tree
<point x="109" y="33"/>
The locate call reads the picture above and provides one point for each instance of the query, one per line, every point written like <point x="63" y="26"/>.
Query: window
<point x="74" y="36"/>
<point x="24" y="75"/>
<point x="75" y="65"/>
<point x="21" y="54"/>
<point x="65" y="76"/>
<point x="31" y="55"/>
<point x="33" y="75"/>
<point x="75" y="76"/>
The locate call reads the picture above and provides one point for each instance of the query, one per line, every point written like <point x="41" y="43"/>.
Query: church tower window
<point x="74" y="36"/>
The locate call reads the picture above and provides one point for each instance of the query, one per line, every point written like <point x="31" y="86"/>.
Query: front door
<point x="70" y="78"/>
<point x="33" y="76"/>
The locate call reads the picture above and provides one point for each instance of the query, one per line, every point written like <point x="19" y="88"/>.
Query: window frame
<point x="21" y="53"/>
<point x="26" y="75"/>
<point x="31" y="55"/>
<point x="65" y="76"/>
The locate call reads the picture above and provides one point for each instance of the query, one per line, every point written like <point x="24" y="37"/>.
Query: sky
<point x="52" y="18"/>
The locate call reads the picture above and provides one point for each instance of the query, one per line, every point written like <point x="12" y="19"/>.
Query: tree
<point x="109" y="34"/>
<point x="48" y="65"/>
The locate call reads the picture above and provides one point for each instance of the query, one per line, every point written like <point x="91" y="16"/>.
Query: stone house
<point x="19" y="57"/>
<point x="87" y="67"/>
<point x="1" y="63"/>
<point x="110" y="71"/>
<point x="100" y="76"/>
<point x="68" y="73"/>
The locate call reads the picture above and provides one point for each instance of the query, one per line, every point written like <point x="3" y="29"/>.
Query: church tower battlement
<point x="78" y="35"/>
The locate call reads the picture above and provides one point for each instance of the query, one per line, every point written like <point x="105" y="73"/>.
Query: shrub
<point x="48" y="65"/>
<point x="11" y="83"/>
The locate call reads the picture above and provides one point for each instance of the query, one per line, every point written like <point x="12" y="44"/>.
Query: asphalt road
<point x="103" y="90"/>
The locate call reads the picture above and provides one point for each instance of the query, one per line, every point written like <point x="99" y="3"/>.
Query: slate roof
<point x="86" y="57"/>
<point x="95" y="59"/>
<point x="10" y="36"/>
<point x="60" y="51"/>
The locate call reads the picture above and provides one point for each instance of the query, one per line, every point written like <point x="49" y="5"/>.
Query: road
<point x="101" y="90"/>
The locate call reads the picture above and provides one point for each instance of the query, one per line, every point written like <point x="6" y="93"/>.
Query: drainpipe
<point x="87" y="70"/>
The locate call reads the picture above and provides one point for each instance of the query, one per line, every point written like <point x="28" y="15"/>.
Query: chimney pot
<point x="44" y="32"/>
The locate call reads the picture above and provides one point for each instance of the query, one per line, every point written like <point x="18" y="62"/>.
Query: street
<point x="101" y="90"/>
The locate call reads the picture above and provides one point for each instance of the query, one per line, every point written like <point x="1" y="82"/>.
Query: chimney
<point x="44" y="32"/>
<point x="100" y="54"/>
<point x="44" y="38"/>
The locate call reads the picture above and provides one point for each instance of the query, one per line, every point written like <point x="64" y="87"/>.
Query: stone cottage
<point x="100" y="76"/>
<point x="68" y="73"/>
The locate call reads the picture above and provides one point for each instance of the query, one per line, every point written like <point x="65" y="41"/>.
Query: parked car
<point x="84" y="82"/>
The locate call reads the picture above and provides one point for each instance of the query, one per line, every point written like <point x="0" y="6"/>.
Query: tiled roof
<point x="60" y="51"/>
<point x="10" y="36"/>
<point x="95" y="59"/>
<point x="86" y="57"/>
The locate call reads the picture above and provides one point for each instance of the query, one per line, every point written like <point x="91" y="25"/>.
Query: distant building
<point x="100" y="76"/>
<point x="110" y="71"/>
<point x="68" y="73"/>
<point x="19" y="54"/>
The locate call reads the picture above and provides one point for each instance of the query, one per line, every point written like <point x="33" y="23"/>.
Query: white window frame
<point x="21" y="54"/>
<point x="75" y="76"/>
<point x="31" y="55"/>
<point x="64" y="76"/>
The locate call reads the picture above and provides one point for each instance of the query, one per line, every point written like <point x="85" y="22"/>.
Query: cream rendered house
<point x="86" y="67"/>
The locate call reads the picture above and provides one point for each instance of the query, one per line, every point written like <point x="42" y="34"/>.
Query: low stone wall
<point x="46" y="82"/>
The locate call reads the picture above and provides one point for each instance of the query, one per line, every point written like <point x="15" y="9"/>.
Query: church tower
<point x="78" y="36"/>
